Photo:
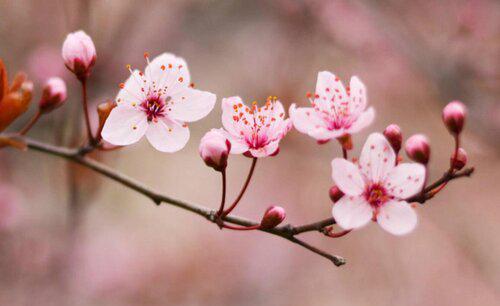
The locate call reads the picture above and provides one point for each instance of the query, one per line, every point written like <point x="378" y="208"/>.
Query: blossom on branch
<point x="376" y="188"/>
<point x="255" y="131"/>
<point x="157" y="103"/>
<point x="336" y="111"/>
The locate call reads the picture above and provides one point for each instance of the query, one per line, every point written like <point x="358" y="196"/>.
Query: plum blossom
<point x="79" y="54"/>
<point x="336" y="111"/>
<point x="376" y="188"/>
<point x="255" y="131"/>
<point x="157" y="103"/>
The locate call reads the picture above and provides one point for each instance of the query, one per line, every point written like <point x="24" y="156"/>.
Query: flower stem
<point x="249" y="177"/>
<point x="31" y="123"/>
<point x="338" y="234"/>
<point x="450" y="170"/>
<point x="223" y="199"/>
<point x="86" y="111"/>
<point x="344" y="152"/>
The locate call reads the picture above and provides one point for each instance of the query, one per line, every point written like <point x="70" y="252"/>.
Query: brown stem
<point x="223" y="199"/>
<point x="242" y="192"/>
<point x="31" y="123"/>
<point x="91" y="139"/>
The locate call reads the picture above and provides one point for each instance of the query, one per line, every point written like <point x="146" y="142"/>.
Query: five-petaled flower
<point x="255" y="131"/>
<point x="336" y="111"/>
<point x="157" y="103"/>
<point x="376" y="188"/>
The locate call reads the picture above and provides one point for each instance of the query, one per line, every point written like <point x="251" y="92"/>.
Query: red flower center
<point x="376" y="195"/>
<point x="154" y="107"/>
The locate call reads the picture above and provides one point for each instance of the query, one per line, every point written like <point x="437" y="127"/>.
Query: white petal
<point x="357" y="94"/>
<point x="364" y="120"/>
<point x="352" y="212"/>
<point x="324" y="134"/>
<point x="167" y="135"/>
<point x="238" y="145"/>
<point x="347" y="177"/>
<point x="191" y="105"/>
<point x="131" y="93"/>
<point x="230" y="109"/>
<point x="125" y="125"/>
<point x="329" y="89"/>
<point x="306" y="119"/>
<point x="267" y="150"/>
<point x="405" y="180"/>
<point x="168" y="69"/>
<point x="377" y="158"/>
<point x="397" y="217"/>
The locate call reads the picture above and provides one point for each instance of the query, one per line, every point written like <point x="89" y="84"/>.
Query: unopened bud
<point x="454" y="116"/>
<point x="460" y="160"/>
<point x="214" y="149"/>
<point x="273" y="216"/>
<point x="346" y="141"/>
<point x="418" y="149"/>
<point x="78" y="52"/>
<point x="393" y="134"/>
<point x="335" y="193"/>
<point x="53" y="96"/>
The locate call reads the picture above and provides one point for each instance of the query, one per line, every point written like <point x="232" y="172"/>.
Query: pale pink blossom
<point x="254" y="130"/>
<point x="54" y="94"/>
<point x="214" y="149"/>
<point x="335" y="110"/>
<point x="375" y="188"/>
<point x="157" y="103"/>
<point x="78" y="52"/>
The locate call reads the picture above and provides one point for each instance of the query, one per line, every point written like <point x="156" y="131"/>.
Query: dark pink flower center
<point x="376" y="195"/>
<point x="154" y="107"/>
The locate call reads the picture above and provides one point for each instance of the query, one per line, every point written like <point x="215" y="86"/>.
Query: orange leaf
<point x="3" y="80"/>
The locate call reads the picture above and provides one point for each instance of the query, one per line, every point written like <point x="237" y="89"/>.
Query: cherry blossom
<point x="255" y="131"/>
<point x="336" y="111"/>
<point x="157" y="103"/>
<point x="376" y="188"/>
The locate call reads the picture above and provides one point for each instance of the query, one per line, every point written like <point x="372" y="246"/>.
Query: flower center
<point x="376" y="195"/>
<point x="154" y="107"/>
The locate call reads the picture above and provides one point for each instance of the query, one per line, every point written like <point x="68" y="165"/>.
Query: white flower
<point x="157" y="103"/>
<point x="376" y="188"/>
<point x="335" y="111"/>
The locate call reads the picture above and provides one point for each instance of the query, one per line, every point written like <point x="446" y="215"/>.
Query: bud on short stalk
<point x="214" y="149"/>
<point x="459" y="160"/>
<point x="53" y="96"/>
<point x="335" y="193"/>
<point x="454" y="116"/>
<point x="79" y="54"/>
<point x="418" y="149"/>
<point x="393" y="134"/>
<point x="273" y="216"/>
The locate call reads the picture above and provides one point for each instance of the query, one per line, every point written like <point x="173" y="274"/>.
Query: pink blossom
<point x="273" y="216"/>
<point x="214" y="149"/>
<point x="335" y="110"/>
<point x="54" y="94"/>
<point x="78" y="52"/>
<point x="377" y="188"/>
<point x="157" y="103"/>
<point x="254" y="130"/>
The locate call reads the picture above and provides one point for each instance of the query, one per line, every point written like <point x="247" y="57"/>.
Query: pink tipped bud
<point x="418" y="149"/>
<point x="345" y="141"/>
<point x="394" y="136"/>
<point x="273" y="216"/>
<point x="454" y="116"/>
<point x="78" y="52"/>
<point x="214" y="149"/>
<point x="335" y="193"/>
<point x="53" y="96"/>
<point x="460" y="160"/>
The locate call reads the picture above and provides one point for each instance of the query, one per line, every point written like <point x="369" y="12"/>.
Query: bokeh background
<point x="69" y="237"/>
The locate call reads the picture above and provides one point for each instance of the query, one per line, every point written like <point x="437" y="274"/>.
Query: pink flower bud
<point x="460" y="160"/>
<point x="335" y="193"/>
<point x="418" y="149"/>
<point x="53" y="96"/>
<point x="214" y="149"/>
<point x="454" y="116"/>
<point x="78" y="52"/>
<point x="393" y="134"/>
<point x="273" y="216"/>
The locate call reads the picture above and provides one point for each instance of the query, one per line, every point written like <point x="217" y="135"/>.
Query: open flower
<point x="254" y="130"/>
<point x="157" y="103"/>
<point x="375" y="188"/>
<point x="335" y="110"/>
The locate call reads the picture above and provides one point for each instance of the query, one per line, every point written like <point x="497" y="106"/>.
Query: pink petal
<point x="329" y="89"/>
<point x="191" y="105"/>
<point x="405" y="180"/>
<point x="352" y="212"/>
<point x="397" y="217"/>
<point x="228" y="116"/>
<point x="238" y="146"/>
<point x="167" y="135"/>
<point x="306" y="119"/>
<point x="347" y="177"/>
<point x="364" y="120"/>
<point x="125" y="125"/>
<point x="168" y="69"/>
<point x="377" y="158"/>
<point x="266" y="150"/>
<point x="357" y="94"/>
<point x="131" y="93"/>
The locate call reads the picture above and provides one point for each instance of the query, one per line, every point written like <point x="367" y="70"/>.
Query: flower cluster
<point x="161" y="100"/>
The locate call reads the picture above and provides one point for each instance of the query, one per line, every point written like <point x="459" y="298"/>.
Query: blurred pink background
<point x="69" y="237"/>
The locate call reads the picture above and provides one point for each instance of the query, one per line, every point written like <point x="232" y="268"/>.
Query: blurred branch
<point x="78" y="156"/>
